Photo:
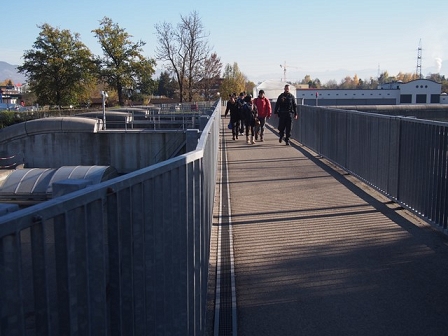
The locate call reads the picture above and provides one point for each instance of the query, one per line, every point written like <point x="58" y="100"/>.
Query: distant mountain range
<point x="9" y="71"/>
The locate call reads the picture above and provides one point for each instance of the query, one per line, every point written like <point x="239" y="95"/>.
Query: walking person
<point x="264" y="110"/>
<point x="232" y="107"/>
<point x="240" y="102"/>
<point x="250" y="113"/>
<point x="286" y="110"/>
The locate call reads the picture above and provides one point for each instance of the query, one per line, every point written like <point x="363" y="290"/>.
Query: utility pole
<point x="104" y="95"/>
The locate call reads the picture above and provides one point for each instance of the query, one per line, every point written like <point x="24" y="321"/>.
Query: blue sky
<point x="321" y="38"/>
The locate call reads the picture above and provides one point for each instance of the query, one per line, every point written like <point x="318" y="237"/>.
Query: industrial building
<point x="420" y="91"/>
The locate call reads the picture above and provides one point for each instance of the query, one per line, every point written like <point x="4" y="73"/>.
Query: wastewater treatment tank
<point x="34" y="185"/>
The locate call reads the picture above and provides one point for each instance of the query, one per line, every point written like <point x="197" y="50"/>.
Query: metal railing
<point x="124" y="257"/>
<point x="405" y="158"/>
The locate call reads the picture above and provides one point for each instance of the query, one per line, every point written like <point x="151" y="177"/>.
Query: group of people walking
<point x="248" y="116"/>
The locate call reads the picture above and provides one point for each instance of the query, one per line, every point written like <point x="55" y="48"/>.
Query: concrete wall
<point x="55" y="142"/>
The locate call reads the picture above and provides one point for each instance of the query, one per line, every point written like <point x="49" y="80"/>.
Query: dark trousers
<point x="260" y="128"/>
<point x="285" y="125"/>
<point x="250" y="125"/>
<point x="235" y="126"/>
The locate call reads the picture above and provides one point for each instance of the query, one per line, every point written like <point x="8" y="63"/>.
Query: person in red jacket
<point x="264" y="112"/>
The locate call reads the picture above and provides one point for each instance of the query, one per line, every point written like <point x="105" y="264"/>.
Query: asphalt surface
<point x="317" y="252"/>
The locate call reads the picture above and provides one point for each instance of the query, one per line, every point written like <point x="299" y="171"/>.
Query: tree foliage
<point x="249" y="87"/>
<point x="372" y="83"/>
<point x="60" y="68"/>
<point x="234" y="81"/>
<point x="209" y="84"/>
<point x="123" y="67"/>
<point x="185" y="49"/>
<point x="166" y="85"/>
<point x="7" y="82"/>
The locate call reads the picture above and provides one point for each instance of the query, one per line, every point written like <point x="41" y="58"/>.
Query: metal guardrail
<point x="404" y="158"/>
<point x="124" y="257"/>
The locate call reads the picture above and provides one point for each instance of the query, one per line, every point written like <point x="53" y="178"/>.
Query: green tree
<point x="384" y="78"/>
<point x="166" y="85"/>
<point x="60" y="68"/>
<point x="234" y="81"/>
<point x="123" y="66"/>
<point x="347" y="83"/>
<point x="7" y="82"/>
<point x="144" y="83"/>
<point x="306" y="80"/>
<point x="249" y="87"/>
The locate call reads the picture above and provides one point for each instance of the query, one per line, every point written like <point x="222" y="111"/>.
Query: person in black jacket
<point x="250" y="113"/>
<point x="235" y="118"/>
<point x="286" y="110"/>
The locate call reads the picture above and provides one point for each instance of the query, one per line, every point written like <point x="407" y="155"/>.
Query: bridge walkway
<point x="314" y="251"/>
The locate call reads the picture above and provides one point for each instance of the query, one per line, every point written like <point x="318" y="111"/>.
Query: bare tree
<point x="211" y="76"/>
<point x="185" y="49"/>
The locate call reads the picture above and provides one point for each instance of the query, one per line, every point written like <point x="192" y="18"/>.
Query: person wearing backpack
<point x="250" y="113"/>
<point x="286" y="110"/>
<point x="240" y="103"/>
<point x="264" y="110"/>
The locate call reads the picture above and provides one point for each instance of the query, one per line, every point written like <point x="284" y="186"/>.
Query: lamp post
<point x="130" y="92"/>
<point x="104" y="95"/>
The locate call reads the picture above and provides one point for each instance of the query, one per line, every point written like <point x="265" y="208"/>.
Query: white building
<point x="272" y="89"/>
<point x="420" y="91"/>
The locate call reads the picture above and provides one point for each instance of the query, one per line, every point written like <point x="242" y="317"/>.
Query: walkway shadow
<point x="425" y="233"/>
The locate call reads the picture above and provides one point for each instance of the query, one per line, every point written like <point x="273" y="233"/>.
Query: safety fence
<point x="405" y="158"/>
<point x="128" y="256"/>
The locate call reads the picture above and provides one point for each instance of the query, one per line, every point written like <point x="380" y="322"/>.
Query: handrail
<point x="129" y="255"/>
<point x="404" y="158"/>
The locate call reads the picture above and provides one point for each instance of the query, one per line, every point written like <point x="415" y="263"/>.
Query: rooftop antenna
<point x="419" y="60"/>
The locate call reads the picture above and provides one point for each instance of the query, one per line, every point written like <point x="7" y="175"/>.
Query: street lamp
<point x="104" y="95"/>
<point x="130" y="92"/>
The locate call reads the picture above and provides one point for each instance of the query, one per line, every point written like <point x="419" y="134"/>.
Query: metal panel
<point x="125" y="256"/>
<point x="405" y="158"/>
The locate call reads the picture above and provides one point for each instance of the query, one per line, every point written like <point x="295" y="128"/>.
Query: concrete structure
<point x="32" y="185"/>
<point x="76" y="141"/>
<point x="125" y="256"/>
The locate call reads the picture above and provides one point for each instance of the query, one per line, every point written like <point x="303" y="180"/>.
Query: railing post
<point x="203" y="120"/>
<point x="192" y="136"/>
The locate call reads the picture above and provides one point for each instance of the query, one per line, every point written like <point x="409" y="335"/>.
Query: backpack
<point x="249" y="111"/>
